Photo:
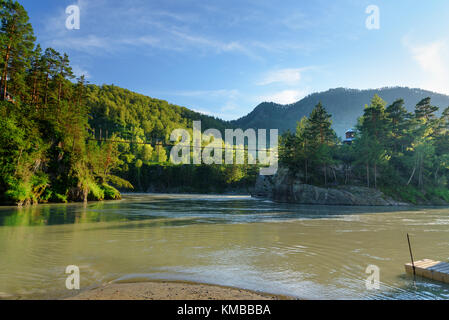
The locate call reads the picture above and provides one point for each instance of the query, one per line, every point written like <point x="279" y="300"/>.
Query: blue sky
<point x="225" y="57"/>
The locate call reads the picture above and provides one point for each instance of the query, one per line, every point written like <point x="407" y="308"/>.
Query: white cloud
<point x="78" y="72"/>
<point x="432" y="58"/>
<point x="285" y="96"/>
<point x="283" y="76"/>
<point x="216" y="45"/>
<point x="90" y="44"/>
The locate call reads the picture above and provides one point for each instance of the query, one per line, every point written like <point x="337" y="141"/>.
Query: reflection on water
<point x="303" y="251"/>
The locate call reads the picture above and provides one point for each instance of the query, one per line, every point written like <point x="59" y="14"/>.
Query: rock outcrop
<point x="283" y="187"/>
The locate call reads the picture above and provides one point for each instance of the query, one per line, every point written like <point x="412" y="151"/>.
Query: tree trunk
<point x="46" y="90"/>
<point x="307" y="172"/>
<point x="325" y="175"/>
<point x="335" y="176"/>
<point x="34" y="95"/>
<point x="85" y="194"/>
<point x="367" y="174"/>
<point x="436" y="174"/>
<point x="413" y="174"/>
<point x="420" y="176"/>
<point x="375" y="175"/>
<point x="5" y="71"/>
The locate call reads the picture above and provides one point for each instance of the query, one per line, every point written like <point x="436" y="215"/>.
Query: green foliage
<point x="404" y="154"/>
<point x="133" y="116"/>
<point x="46" y="152"/>
<point x="110" y="193"/>
<point x="310" y="149"/>
<point x="60" y="198"/>
<point x="408" y="194"/>
<point x="16" y="44"/>
<point x="440" y="193"/>
<point x="96" y="193"/>
<point x="196" y="178"/>
<point x="18" y="191"/>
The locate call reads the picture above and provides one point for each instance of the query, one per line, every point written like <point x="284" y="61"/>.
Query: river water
<point x="308" y="252"/>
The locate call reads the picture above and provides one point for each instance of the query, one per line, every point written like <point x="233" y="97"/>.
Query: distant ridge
<point x="345" y="105"/>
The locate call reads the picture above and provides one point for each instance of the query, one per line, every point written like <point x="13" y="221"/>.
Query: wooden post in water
<point x="411" y="256"/>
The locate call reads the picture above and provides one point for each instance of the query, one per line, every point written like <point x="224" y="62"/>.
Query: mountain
<point x="345" y="106"/>
<point x="129" y="114"/>
<point x="119" y="110"/>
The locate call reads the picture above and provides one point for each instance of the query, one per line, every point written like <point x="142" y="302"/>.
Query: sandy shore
<point x="167" y="290"/>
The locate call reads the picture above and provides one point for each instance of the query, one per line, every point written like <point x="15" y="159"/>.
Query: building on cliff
<point x="350" y="136"/>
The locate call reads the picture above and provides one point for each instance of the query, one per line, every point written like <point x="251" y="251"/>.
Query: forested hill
<point x="117" y="110"/>
<point x="345" y="106"/>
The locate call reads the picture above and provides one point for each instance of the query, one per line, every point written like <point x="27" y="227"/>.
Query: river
<point x="307" y="252"/>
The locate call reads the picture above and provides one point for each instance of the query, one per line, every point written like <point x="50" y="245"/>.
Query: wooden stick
<point x="411" y="256"/>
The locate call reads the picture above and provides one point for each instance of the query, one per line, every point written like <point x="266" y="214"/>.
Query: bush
<point x="440" y="193"/>
<point x="96" y="193"/>
<point x="18" y="191"/>
<point x="61" y="198"/>
<point x="46" y="196"/>
<point x="110" y="193"/>
<point x="405" y="193"/>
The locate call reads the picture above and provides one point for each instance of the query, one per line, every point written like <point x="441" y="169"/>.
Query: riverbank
<point x="286" y="187"/>
<point x="168" y="290"/>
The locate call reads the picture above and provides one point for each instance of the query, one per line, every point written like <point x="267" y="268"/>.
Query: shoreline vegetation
<point x="401" y="154"/>
<point x="64" y="140"/>
<point x="172" y="290"/>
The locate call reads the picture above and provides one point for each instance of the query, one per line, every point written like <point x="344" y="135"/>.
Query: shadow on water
<point x="47" y="215"/>
<point x="200" y="209"/>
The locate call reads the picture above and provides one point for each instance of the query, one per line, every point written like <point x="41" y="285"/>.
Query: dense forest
<point x="148" y="123"/>
<point x="62" y="139"/>
<point x="132" y="115"/>
<point x="45" y="150"/>
<point x="142" y="126"/>
<point x="405" y="154"/>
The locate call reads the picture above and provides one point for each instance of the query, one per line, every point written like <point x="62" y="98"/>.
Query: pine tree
<point x="35" y="73"/>
<point x="319" y="128"/>
<point x="65" y="72"/>
<point x="373" y="128"/>
<point x="425" y="111"/>
<point x="17" y="42"/>
<point x="399" y="119"/>
<point x="50" y="62"/>
<point x="320" y="137"/>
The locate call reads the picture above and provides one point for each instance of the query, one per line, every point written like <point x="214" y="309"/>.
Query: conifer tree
<point x="399" y="121"/>
<point x="17" y="42"/>
<point x="320" y="137"/>
<point x="374" y="129"/>
<point x="425" y="111"/>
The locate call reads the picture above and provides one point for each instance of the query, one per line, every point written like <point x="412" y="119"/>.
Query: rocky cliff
<point x="284" y="187"/>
